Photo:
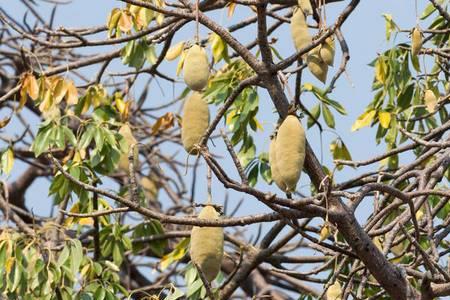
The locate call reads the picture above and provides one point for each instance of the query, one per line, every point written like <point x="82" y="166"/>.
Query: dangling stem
<point x="197" y="26"/>
<point x="324" y="14"/>
<point x="208" y="178"/>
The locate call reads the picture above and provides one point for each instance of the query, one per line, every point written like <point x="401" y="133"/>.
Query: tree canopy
<point x="131" y="122"/>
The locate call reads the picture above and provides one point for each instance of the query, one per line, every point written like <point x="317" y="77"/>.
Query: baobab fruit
<point x="290" y="151"/>
<point x="327" y="51"/>
<point x="276" y="176"/>
<point x="306" y="7"/>
<point x="299" y="30"/>
<point x="195" y="121"/>
<point x="416" y="41"/>
<point x="196" y="68"/>
<point x="125" y="131"/>
<point x="430" y="100"/>
<point x="317" y="66"/>
<point x="206" y="248"/>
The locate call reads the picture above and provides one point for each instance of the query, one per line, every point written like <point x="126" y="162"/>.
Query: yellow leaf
<point x="334" y="291"/>
<point x="33" y="87"/>
<point x="231" y="9"/>
<point x="419" y="214"/>
<point x="30" y="87"/>
<point x="59" y="90"/>
<point x="7" y="161"/>
<point x="177" y="254"/>
<point x="72" y="94"/>
<point x="217" y="46"/>
<point x="430" y="100"/>
<point x="9" y="264"/>
<point x="145" y="16"/>
<point x="164" y="122"/>
<point x="22" y="100"/>
<point x="85" y="270"/>
<point x="29" y="83"/>
<point x="86" y="221"/>
<point x="113" y="18"/>
<point x="324" y="232"/>
<point x="380" y="70"/>
<point x="5" y="121"/>
<point x="175" y="51"/>
<point x="364" y="120"/>
<point x="377" y="242"/>
<point x="258" y="125"/>
<point x="181" y="63"/>
<point x="47" y="102"/>
<point x="125" y="22"/>
<point x="159" y="19"/>
<point x="385" y="118"/>
<point x="416" y="41"/>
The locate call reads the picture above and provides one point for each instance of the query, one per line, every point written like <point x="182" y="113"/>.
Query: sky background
<point x="365" y="35"/>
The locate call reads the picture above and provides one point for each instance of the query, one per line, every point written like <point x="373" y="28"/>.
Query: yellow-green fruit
<point x="416" y="41"/>
<point x="207" y="245"/>
<point x="430" y="100"/>
<point x="195" y="121"/>
<point x="299" y="30"/>
<point x="327" y="51"/>
<point x="305" y="5"/>
<point x="290" y="151"/>
<point x="150" y="187"/>
<point x="196" y="68"/>
<point x="276" y="176"/>
<point x="317" y="66"/>
<point x="125" y="131"/>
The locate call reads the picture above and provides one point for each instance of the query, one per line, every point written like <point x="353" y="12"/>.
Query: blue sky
<point x="365" y="35"/>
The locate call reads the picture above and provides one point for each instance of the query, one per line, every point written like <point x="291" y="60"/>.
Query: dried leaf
<point x="5" y="121"/>
<point x="231" y="9"/>
<point x="125" y="22"/>
<point x="72" y="94"/>
<point x="430" y="100"/>
<point x="163" y="123"/>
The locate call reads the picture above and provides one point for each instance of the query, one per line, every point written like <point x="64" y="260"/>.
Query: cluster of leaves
<point x="323" y="107"/>
<point x="137" y="52"/>
<point x="399" y="95"/>
<point x="241" y="116"/>
<point x="132" y="17"/>
<point x="33" y="271"/>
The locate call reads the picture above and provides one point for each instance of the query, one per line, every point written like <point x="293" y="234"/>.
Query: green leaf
<point x="194" y="287"/>
<point x="315" y="112"/>
<point x="63" y="256"/>
<point x="100" y="294"/>
<point x="404" y="99"/>
<point x="174" y="294"/>
<point x="339" y="151"/>
<point x="328" y="116"/>
<point x="429" y="10"/>
<point x="253" y="175"/>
